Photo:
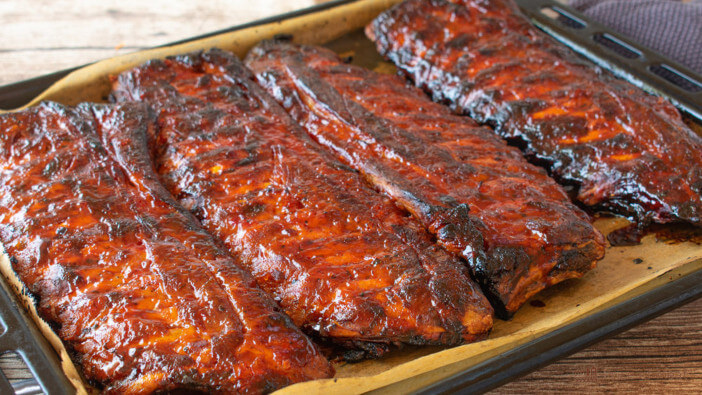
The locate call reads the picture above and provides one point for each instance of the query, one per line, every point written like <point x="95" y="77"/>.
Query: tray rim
<point x="636" y="71"/>
<point x="488" y="374"/>
<point x="573" y="337"/>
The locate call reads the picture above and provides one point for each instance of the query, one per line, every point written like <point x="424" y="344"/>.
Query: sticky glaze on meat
<point x="141" y="295"/>
<point x="625" y="150"/>
<point x="341" y="260"/>
<point x="482" y="200"/>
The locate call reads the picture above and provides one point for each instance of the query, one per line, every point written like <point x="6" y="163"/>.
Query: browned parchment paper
<point x="618" y="277"/>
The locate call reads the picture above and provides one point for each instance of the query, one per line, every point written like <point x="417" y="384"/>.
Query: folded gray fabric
<point x="670" y="27"/>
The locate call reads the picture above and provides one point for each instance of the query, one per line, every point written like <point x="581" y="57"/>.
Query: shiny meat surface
<point x="623" y="150"/>
<point x="141" y="295"/>
<point x="482" y="200"/>
<point x="342" y="261"/>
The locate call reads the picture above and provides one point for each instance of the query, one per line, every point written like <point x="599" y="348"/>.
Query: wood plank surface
<point x="661" y="356"/>
<point x="42" y="36"/>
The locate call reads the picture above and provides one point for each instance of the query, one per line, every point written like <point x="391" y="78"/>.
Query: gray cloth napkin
<point x="670" y="27"/>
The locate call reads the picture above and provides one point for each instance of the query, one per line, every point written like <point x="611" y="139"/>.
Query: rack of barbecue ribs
<point x="456" y="177"/>
<point x="143" y="298"/>
<point x="620" y="148"/>
<point x="342" y="260"/>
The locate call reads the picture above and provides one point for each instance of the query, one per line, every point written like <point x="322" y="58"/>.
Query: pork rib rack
<point x="482" y="200"/>
<point x="343" y="261"/>
<point x="142" y="296"/>
<point x="623" y="149"/>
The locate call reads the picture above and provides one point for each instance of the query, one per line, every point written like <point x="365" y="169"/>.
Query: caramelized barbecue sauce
<point x="627" y="151"/>
<point x="344" y="262"/>
<point x="479" y="197"/>
<point x="143" y="298"/>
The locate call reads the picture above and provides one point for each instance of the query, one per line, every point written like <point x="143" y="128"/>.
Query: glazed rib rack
<point x="343" y="261"/>
<point x="623" y="150"/>
<point x="479" y="197"/>
<point x="144" y="299"/>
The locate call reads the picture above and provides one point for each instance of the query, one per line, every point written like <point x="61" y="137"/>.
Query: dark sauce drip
<point x="537" y="303"/>
<point x="678" y="234"/>
<point x="627" y="236"/>
<point x="631" y="235"/>
<point x="353" y="351"/>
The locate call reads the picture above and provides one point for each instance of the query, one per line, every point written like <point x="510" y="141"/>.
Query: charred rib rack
<point x="341" y="260"/>
<point x="625" y="150"/>
<point x="482" y="200"/>
<point x="141" y="295"/>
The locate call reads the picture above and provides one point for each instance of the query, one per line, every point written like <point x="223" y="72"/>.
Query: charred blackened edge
<point x="453" y="226"/>
<point x="346" y="349"/>
<point x="623" y="204"/>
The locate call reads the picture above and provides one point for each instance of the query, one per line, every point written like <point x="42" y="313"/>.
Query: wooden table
<point x="41" y="36"/>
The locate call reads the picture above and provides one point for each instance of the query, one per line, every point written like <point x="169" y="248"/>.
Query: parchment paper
<point x="618" y="277"/>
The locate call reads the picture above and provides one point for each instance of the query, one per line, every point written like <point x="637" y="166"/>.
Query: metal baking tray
<point x="607" y="49"/>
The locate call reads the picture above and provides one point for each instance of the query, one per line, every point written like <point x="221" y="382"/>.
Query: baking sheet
<point x="625" y="273"/>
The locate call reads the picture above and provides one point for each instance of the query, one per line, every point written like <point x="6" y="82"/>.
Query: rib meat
<point x="623" y="149"/>
<point x="341" y="260"/>
<point x="142" y="296"/>
<point x="482" y="200"/>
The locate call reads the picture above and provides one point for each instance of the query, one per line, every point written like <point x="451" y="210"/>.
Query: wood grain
<point x="41" y="36"/>
<point x="663" y="355"/>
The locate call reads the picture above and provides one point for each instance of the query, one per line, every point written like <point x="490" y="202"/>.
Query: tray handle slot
<point x="9" y="384"/>
<point x="23" y="341"/>
<point x="5" y="385"/>
<point x="563" y="17"/>
<point x="676" y="77"/>
<point x="616" y="45"/>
